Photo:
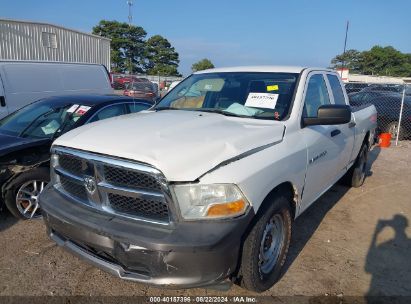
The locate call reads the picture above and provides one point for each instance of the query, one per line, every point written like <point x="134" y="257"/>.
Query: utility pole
<point x="130" y="12"/>
<point x="345" y="48"/>
<point x="130" y="20"/>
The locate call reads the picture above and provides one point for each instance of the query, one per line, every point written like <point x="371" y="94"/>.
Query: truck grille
<point x="71" y="164"/>
<point x="112" y="185"/>
<point x="138" y="207"/>
<point x="124" y="177"/>
<point x="73" y="188"/>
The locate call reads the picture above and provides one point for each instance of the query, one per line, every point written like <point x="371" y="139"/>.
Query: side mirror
<point x="330" y="115"/>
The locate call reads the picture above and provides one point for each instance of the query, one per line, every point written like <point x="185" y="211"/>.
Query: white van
<point x="22" y="82"/>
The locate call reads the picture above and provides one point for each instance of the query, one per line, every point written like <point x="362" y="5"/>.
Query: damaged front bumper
<point x="187" y="254"/>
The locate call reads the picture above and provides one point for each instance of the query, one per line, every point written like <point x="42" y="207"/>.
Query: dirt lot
<point x="332" y="252"/>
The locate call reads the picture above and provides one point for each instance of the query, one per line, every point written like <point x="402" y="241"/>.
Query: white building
<point x="24" y="40"/>
<point x="346" y="76"/>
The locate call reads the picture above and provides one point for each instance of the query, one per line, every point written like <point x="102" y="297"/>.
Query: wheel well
<point x="286" y="188"/>
<point x="289" y="190"/>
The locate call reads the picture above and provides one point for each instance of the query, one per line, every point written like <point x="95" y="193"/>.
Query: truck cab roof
<point x="262" y="69"/>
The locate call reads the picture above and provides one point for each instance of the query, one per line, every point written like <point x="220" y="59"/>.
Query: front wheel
<point x="265" y="247"/>
<point x="22" y="196"/>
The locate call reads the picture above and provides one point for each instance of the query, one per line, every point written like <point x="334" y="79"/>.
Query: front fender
<point x="10" y="172"/>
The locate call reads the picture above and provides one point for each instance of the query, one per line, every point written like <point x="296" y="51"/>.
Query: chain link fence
<point x="393" y="104"/>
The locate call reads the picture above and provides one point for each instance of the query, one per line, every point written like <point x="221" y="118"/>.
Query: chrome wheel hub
<point x="393" y="131"/>
<point x="27" y="198"/>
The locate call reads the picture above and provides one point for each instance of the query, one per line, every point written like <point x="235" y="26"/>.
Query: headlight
<point x="210" y="201"/>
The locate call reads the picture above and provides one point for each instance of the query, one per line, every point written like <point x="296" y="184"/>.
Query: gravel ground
<point x="351" y="242"/>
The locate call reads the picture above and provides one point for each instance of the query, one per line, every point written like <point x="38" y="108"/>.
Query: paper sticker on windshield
<point x="272" y="88"/>
<point x="261" y="100"/>
<point x="72" y="108"/>
<point x="82" y="110"/>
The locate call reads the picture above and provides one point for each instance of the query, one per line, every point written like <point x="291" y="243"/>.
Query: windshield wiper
<point x="223" y="112"/>
<point x="217" y="111"/>
<point x="166" y="108"/>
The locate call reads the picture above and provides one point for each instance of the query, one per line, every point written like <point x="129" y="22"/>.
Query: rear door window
<point x="336" y="89"/>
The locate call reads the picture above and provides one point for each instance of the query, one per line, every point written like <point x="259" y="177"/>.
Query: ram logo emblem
<point x="90" y="184"/>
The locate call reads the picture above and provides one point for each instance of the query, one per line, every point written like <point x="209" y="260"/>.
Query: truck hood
<point x="184" y="145"/>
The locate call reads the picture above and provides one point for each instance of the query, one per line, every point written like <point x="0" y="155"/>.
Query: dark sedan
<point x="394" y="88"/>
<point x="354" y="87"/>
<point x="26" y="136"/>
<point x="388" y="105"/>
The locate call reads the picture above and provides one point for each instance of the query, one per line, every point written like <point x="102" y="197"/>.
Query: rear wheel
<point x="265" y="247"/>
<point x="392" y="128"/>
<point x="356" y="174"/>
<point x="22" y="196"/>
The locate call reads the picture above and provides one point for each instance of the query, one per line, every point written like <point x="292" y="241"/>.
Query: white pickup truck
<point x="203" y="188"/>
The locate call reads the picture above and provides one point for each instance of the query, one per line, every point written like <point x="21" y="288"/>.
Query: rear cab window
<point x="336" y="89"/>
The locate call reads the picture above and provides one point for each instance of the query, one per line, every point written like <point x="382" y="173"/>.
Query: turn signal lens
<point x="210" y="201"/>
<point x="227" y="209"/>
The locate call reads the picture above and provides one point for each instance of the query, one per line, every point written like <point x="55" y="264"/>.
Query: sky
<point x="240" y="32"/>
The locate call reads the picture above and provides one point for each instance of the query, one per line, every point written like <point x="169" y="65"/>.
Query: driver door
<point x="323" y="150"/>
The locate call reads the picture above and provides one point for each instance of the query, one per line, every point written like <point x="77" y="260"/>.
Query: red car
<point x="141" y="90"/>
<point x="119" y="81"/>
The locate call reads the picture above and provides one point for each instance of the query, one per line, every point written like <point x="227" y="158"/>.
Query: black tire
<point x="355" y="176"/>
<point x="10" y="197"/>
<point x="251" y="274"/>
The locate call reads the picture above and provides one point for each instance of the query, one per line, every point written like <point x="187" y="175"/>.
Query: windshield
<point x="243" y="94"/>
<point x="41" y="120"/>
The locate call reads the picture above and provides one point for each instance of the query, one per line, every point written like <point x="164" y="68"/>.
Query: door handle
<point x="352" y="124"/>
<point x="2" y="101"/>
<point x="335" y="132"/>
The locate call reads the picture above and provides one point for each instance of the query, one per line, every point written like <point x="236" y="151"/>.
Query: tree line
<point x="379" y="61"/>
<point x="132" y="52"/>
